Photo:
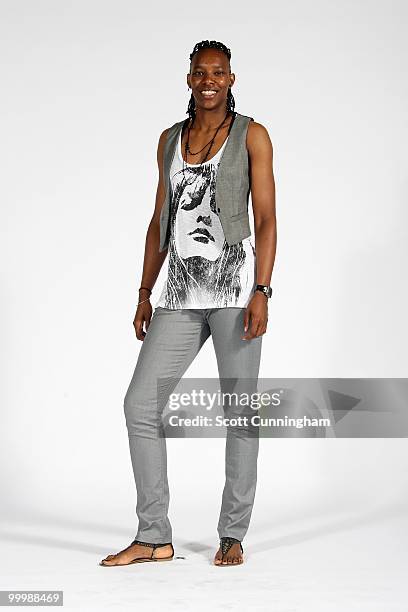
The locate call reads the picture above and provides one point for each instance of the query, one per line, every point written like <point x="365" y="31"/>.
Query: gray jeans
<point x="172" y="341"/>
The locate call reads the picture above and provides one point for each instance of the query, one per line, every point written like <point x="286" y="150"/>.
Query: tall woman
<point x="218" y="285"/>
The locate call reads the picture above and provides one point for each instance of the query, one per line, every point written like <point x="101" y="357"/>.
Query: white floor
<point x="342" y="563"/>
<point x="314" y="545"/>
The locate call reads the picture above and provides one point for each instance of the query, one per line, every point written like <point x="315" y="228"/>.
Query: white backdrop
<point x="87" y="88"/>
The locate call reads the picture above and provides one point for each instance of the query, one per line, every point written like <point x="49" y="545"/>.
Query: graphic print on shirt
<point x="203" y="270"/>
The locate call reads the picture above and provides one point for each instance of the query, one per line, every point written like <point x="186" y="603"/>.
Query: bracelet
<point x="147" y="288"/>
<point x="143" y="301"/>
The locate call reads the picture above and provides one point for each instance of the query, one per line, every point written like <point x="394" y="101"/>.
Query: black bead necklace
<point x="187" y="144"/>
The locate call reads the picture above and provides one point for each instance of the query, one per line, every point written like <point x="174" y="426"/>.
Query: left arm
<point x="260" y="152"/>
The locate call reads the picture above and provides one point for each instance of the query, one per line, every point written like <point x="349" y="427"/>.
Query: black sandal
<point x="225" y="544"/>
<point x="144" y="559"/>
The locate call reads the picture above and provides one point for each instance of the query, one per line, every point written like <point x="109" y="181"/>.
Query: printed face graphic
<point x="198" y="230"/>
<point x="203" y="272"/>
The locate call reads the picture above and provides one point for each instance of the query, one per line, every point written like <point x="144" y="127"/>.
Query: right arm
<point x="153" y="259"/>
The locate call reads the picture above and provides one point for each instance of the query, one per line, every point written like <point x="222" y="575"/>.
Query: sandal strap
<point x="226" y="543"/>
<point x="151" y="545"/>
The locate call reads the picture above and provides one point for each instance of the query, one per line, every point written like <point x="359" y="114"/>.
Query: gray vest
<point x="232" y="183"/>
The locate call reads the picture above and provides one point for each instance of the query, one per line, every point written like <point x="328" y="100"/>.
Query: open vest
<point x="232" y="183"/>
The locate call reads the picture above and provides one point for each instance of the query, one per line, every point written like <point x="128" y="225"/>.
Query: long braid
<point x="211" y="44"/>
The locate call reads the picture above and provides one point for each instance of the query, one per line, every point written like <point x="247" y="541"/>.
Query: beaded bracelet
<point x="143" y="301"/>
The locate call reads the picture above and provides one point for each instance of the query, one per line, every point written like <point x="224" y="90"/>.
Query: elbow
<point x="265" y="223"/>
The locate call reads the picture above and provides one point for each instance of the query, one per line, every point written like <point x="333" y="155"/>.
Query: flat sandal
<point x="225" y="544"/>
<point x="143" y="559"/>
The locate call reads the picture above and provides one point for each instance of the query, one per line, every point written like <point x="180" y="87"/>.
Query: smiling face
<point x="198" y="229"/>
<point x="209" y="78"/>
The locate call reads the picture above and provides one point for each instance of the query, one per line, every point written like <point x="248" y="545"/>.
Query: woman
<point x="217" y="284"/>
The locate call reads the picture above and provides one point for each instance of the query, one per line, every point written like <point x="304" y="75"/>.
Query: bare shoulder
<point x="161" y="145"/>
<point x="164" y="133"/>
<point x="163" y="137"/>
<point x="258" y="138"/>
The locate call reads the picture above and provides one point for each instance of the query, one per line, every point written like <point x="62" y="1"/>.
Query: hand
<point x="256" y="316"/>
<point x="143" y="315"/>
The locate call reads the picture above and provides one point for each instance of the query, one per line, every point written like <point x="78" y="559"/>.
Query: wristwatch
<point x="266" y="290"/>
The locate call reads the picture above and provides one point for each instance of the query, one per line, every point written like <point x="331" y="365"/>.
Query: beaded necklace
<point x="187" y="144"/>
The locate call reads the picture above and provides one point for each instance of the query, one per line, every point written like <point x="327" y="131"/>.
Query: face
<point x="210" y="72"/>
<point x="198" y="227"/>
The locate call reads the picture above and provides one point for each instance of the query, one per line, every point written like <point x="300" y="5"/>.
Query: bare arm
<point x="153" y="259"/>
<point x="263" y="202"/>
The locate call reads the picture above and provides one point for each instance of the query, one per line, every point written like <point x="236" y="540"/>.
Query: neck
<point x="209" y="120"/>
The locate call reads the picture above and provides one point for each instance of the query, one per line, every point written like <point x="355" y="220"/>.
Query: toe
<point x="109" y="560"/>
<point x="218" y="558"/>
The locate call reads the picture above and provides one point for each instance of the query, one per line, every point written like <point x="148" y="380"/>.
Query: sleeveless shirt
<point x="203" y="270"/>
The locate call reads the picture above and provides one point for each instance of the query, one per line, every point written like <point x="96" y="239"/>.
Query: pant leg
<point x="240" y="360"/>
<point x="172" y="341"/>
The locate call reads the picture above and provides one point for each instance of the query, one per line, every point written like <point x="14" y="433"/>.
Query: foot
<point x="232" y="557"/>
<point x="137" y="551"/>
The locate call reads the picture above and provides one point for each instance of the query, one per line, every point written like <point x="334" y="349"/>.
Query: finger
<point x="252" y="329"/>
<point x="139" y="329"/>
<point x="247" y="323"/>
<point x="246" y="319"/>
<point x="260" y="327"/>
<point x="256" y="327"/>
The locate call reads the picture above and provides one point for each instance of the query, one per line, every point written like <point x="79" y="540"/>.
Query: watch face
<point x="266" y="290"/>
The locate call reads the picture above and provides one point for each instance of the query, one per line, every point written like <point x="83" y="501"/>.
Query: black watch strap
<point x="265" y="289"/>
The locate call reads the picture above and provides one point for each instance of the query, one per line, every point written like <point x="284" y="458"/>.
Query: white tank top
<point x="203" y="271"/>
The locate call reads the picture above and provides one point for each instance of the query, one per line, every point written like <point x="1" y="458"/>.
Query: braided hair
<point x="210" y="44"/>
